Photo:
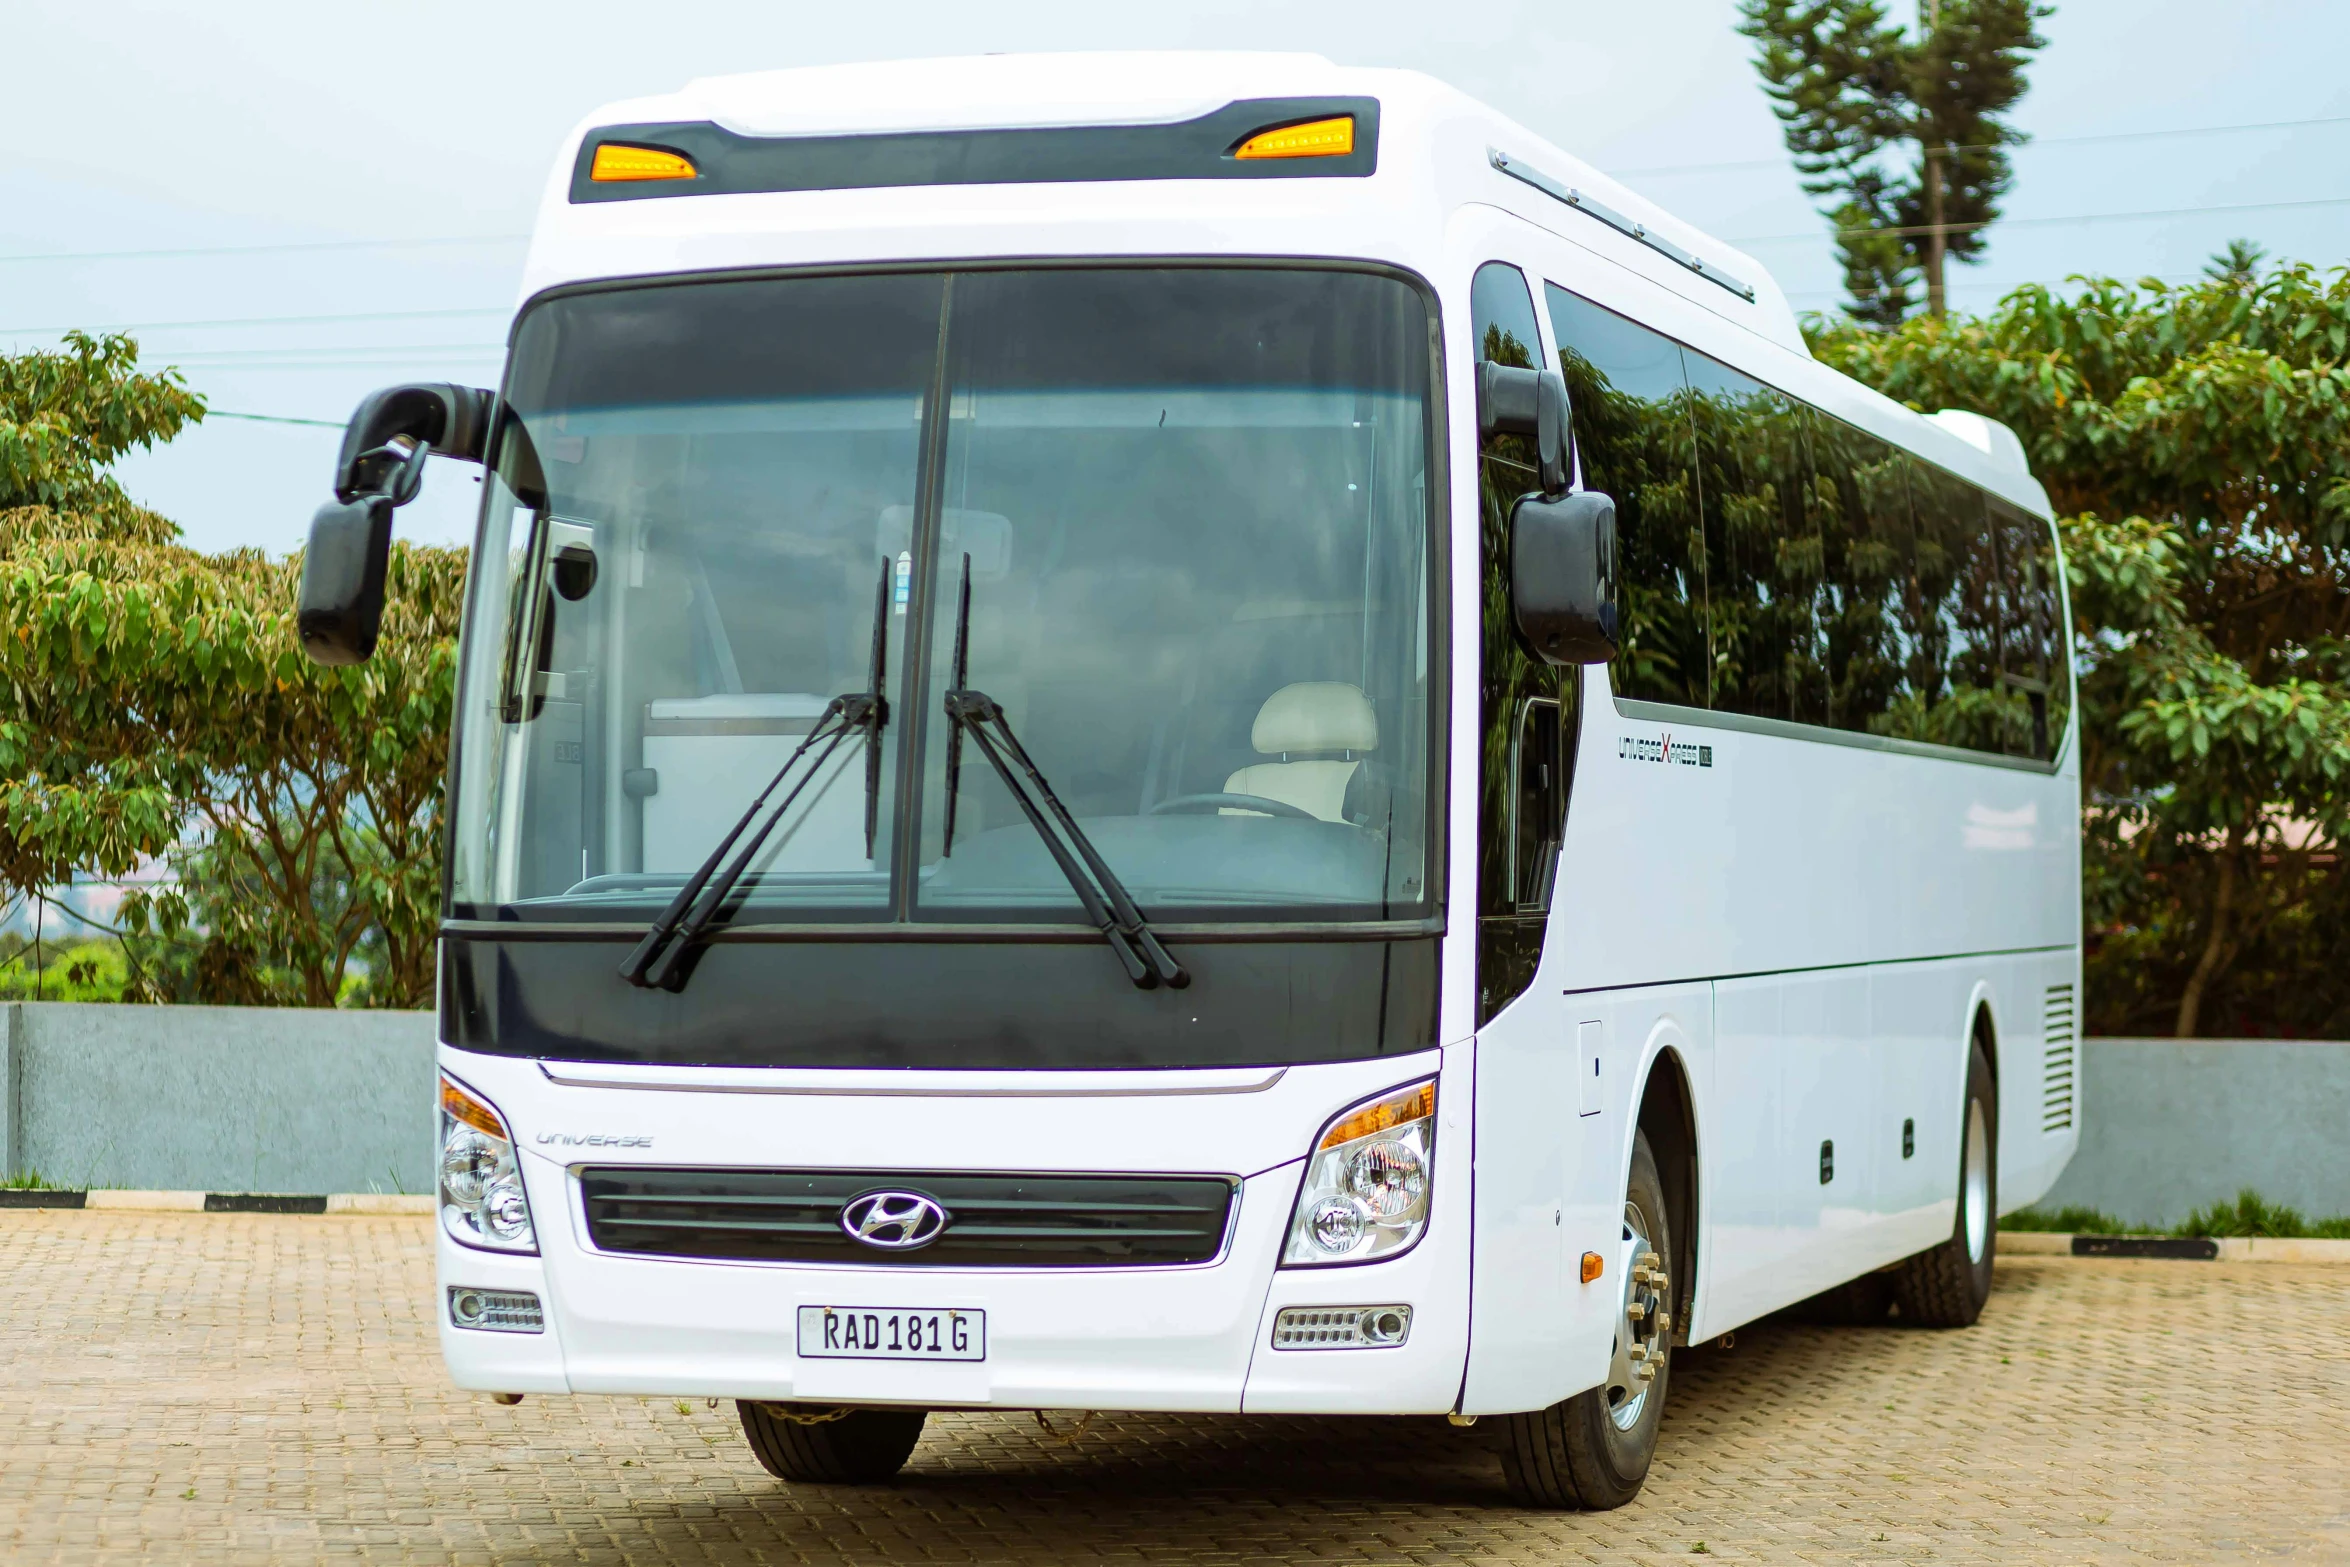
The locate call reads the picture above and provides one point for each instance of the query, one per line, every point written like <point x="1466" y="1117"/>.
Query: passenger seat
<point x="1318" y="732"/>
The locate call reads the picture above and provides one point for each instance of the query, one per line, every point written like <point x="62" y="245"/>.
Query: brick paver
<point x="185" y="1388"/>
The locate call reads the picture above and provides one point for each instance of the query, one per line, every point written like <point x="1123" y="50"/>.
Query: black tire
<point x="861" y="1447"/>
<point x="1573" y="1454"/>
<point x="1946" y="1287"/>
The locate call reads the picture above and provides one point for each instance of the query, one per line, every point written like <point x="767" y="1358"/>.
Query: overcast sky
<point x="220" y="178"/>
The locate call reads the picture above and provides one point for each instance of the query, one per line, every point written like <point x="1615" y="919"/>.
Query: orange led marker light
<point x="616" y="162"/>
<point x="1314" y="139"/>
<point x="1593" y="1266"/>
<point x="1413" y="1104"/>
<point x="462" y="1106"/>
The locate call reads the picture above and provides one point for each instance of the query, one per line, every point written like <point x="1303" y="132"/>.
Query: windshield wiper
<point x="1147" y="963"/>
<point x="664" y="958"/>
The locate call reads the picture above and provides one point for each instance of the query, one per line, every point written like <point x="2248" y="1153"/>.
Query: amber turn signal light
<point x="1413" y="1104"/>
<point x="1593" y="1266"/>
<point x="1333" y="138"/>
<point x="617" y="162"/>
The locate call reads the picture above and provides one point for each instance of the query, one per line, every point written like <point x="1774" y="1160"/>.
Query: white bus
<point x="1208" y="732"/>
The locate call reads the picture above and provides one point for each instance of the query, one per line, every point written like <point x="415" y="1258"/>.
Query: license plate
<point x="874" y="1333"/>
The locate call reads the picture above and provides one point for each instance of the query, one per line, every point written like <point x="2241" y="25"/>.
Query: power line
<point x="2079" y="217"/>
<point x="158" y="326"/>
<point x="2037" y="141"/>
<point x="260" y="250"/>
<point x="370" y="350"/>
<point x="321" y="424"/>
<point x="375" y="362"/>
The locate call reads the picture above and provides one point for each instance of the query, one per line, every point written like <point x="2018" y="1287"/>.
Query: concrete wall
<point x="2169" y="1126"/>
<point x="240" y="1099"/>
<point x="254" y="1099"/>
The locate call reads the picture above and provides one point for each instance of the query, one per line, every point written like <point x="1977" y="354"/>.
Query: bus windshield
<point x="1176" y="517"/>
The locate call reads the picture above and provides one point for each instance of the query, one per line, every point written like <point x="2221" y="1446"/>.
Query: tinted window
<point x="1518" y="832"/>
<point x="1860" y="498"/>
<point x="1634" y="441"/>
<point x="1538" y="764"/>
<point x="1778" y="562"/>
<point x="2032" y="632"/>
<point x="1948" y="620"/>
<point x="1765" y="555"/>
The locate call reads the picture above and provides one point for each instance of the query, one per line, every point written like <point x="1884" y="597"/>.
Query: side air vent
<point x="2059" y="1059"/>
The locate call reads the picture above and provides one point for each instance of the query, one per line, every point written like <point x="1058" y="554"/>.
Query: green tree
<point x="154" y="704"/>
<point x="2196" y="443"/>
<point x="1905" y="132"/>
<point x="2239" y="264"/>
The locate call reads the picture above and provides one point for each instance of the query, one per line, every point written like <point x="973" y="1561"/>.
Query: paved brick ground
<point x="184" y="1388"/>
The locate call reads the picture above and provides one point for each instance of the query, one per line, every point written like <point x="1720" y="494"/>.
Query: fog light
<point x="496" y="1311"/>
<point x="1342" y="1327"/>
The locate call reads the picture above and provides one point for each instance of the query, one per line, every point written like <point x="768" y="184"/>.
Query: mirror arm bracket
<point x="451" y="420"/>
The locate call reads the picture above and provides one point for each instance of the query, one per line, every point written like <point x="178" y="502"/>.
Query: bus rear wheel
<point x="1946" y="1287"/>
<point x="814" y="1445"/>
<point x="1593" y="1450"/>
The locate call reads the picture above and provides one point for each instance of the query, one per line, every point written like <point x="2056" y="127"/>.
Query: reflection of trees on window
<point x="1778" y="562"/>
<point x="1765" y="557"/>
<point x="1635" y="443"/>
<point x="1861" y="498"/>
<point x="1509" y="930"/>
<point x="1949" y="617"/>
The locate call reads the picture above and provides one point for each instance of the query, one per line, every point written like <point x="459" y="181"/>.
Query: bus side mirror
<point x="342" y="604"/>
<point x="1515" y="401"/>
<point x="381" y="466"/>
<point x="1563" y="576"/>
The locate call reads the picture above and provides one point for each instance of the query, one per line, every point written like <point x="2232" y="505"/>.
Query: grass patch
<point x="2249" y="1215"/>
<point x="2073" y="1220"/>
<point x="29" y="1181"/>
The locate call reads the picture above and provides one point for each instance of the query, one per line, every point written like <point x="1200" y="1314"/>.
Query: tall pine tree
<point x="1905" y="130"/>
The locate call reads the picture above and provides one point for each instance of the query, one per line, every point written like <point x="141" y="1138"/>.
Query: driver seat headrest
<point x="1315" y="718"/>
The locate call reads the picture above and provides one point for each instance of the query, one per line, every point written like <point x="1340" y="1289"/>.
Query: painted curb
<point x="362" y="1203"/>
<point x="2232" y="1248"/>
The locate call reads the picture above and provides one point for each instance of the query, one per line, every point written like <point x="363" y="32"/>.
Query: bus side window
<point x="1538" y="804"/>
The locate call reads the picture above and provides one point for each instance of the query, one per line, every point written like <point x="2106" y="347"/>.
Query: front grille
<point x="998" y="1221"/>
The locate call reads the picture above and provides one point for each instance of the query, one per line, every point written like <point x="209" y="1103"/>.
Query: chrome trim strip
<point x="868" y="1272"/>
<point x="894" y="1085"/>
<point x="1782" y="729"/>
<point x="1630" y="228"/>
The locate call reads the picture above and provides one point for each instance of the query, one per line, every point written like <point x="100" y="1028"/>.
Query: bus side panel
<point x="1554" y="1150"/>
<point x="1528" y="1134"/>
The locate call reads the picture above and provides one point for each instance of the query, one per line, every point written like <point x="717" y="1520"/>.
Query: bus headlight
<point x="1366" y="1187"/>
<point x="482" y="1201"/>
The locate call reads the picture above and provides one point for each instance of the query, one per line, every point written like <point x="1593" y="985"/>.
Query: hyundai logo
<point x="893" y="1221"/>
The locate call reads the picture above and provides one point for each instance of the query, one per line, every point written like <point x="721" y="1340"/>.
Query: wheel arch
<point x="1668" y="1114"/>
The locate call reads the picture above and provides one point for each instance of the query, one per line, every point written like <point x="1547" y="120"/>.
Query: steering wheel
<point x="1231" y="802"/>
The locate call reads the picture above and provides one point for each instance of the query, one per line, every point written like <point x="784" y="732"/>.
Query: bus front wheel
<point x="1593" y="1450"/>
<point x="818" y="1446"/>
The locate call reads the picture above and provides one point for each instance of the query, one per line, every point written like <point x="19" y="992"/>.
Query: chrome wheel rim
<point x="1642" y="1323"/>
<point x="1975" y="1188"/>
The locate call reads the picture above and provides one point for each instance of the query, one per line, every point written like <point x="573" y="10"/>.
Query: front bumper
<point x="1192" y="1338"/>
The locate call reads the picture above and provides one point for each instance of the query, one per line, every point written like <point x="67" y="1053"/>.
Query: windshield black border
<point x="1438" y="544"/>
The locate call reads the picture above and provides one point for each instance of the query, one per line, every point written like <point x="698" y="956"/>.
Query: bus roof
<point x="1020" y="156"/>
<point x="1436" y="148"/>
